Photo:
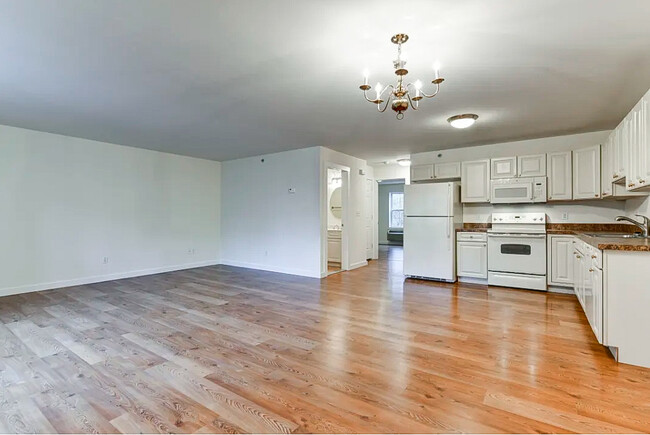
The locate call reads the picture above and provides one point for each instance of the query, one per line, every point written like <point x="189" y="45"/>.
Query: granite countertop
<point x="581" y="230"/>
<point x="616" y="244"/>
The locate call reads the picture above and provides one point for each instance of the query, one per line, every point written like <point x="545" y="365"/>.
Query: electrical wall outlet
<point x="105" y="260"/>
<point x="565" y="216"/>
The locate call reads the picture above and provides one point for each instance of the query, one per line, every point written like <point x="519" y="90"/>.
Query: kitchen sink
<point x="617" y="235"/>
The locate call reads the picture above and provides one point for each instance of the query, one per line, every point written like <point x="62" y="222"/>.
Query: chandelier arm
<point x="414" y="106"/>
<point x="432" y="95"/>
<point x="385" y="105"/>
<point x="392" y="89"/>
<point x="365" y="95"/>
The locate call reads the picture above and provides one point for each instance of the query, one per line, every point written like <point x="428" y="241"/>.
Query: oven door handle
<point x="518" y="236"/>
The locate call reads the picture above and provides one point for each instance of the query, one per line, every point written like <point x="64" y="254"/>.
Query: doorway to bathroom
<point x="336" y="187"/>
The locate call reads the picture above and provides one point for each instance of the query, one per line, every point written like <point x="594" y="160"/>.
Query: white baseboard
<point x="267" y="268"/>
<point x="563" y="290"/>
<point x="102" y="278"/>
<point x="358" y="265"/>
<point x="470" y="280"/>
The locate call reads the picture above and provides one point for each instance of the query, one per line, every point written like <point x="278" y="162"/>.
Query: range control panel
<point x="518" y="218"/>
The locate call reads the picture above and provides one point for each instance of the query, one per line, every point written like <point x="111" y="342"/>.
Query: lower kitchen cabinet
<point x="472" y="255"/>
<point x="560" y="260"/>
<point x="588" y="285"/>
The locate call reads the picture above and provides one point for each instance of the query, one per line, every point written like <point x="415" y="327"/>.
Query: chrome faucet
<point x="643" y="225"/>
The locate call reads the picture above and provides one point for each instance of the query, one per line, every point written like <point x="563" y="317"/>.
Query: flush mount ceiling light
<point x="404" y="162"/>
<point x="463" y="121"/>
<point x="399" y="96"/>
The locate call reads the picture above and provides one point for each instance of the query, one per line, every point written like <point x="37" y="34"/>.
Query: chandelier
<point x="399" y="97"/>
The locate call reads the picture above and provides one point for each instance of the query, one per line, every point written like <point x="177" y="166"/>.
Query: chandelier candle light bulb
<point x="400" y="96"/>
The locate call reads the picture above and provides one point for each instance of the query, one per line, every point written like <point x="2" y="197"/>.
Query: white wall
<point x="66" y="203"/>
<point x="356" y="226"/>
<point x="637" y="206"/>
<point x="263" y="226"/>
<point x="391" y="171"/>
<point x="604" y="211"/>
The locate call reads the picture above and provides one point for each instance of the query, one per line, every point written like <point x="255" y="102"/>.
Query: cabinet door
<point x="334" y="250"/>
<point x="504" y="167"/>
<point x="445" y="171"/>
<point x="560" y="261"/>
<point x="634" y="155"/>
<point x="627" y="137"/>
<point x="421" y="172"/>
<point x="577" y="273"/>
<point x="472" y="259"/>
<point x="586" y="173"/>
<point x="531" y="166"/>
<point x="475" y="181"/>
<point x="597" y="306"/>
<point x="622" y="151"/>
<point x="559" y="176"/>
<point x="644" y="140"/>
<point x="606" y="164"/>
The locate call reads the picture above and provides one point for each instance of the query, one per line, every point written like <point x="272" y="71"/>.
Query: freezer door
<point x="430" y="248"/>
<point x="428" y="199"/>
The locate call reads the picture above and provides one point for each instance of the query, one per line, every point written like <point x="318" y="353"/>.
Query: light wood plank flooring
<point x="222" y="349"/>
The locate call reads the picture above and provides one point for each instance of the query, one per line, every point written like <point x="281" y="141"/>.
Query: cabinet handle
<point x="578" y="257"/>
<point x="593" y="256"/>
<point x="615" y="176"/>
<point x="631" y="185"/>
<point x="642" y="181"/>
<point x="591" y="270"/>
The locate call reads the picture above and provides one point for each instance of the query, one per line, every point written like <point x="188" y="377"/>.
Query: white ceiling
<point x="231" y="78"/>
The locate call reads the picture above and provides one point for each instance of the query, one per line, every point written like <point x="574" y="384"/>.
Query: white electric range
<point x="517" y="250"/>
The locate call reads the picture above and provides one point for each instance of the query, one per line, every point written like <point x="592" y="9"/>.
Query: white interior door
<point x="368" y="217"/>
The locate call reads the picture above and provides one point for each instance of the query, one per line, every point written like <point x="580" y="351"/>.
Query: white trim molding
<point x="102" y="278"/>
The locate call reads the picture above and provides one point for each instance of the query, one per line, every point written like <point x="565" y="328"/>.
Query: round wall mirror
<point x="335" y="202"/>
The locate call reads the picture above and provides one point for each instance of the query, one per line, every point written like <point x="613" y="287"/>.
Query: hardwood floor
<point x="221" y="349"/>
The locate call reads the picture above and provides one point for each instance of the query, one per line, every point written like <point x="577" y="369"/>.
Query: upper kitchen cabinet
<point x="607" y="165"/>
<point x="446" y="171"/>
<point x="475" y="181"/>
<point x="504" y="167"/>
<point x="437" y="171"/>
<point x="531" y="166"/>
<point x="421" y="173"/>
<point x="559" y="186"/>
<point x="636" y="132"/>
<point x="620" y="150"/>
<point x="586" y="173"/>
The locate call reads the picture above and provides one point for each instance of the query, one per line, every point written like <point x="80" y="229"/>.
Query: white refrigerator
<point x="432" y="212"/>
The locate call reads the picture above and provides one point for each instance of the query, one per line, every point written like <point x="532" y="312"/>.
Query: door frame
<point x="345" y="213"/>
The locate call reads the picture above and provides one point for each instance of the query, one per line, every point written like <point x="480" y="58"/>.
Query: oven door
<point x="511" y="192"/>
<point x="517" y="253"/>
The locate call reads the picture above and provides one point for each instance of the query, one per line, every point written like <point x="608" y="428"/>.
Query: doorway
<point x="391" y="212"/>
<point x="335" y="209"/>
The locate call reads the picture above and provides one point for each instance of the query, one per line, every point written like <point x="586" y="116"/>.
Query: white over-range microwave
<point x="518" y="190"/>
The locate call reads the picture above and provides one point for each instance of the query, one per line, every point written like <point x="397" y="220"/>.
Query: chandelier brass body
<point x="399" y="97"/>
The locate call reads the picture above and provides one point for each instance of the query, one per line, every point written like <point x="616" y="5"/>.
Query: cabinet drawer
<point x="471" y="237"/>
